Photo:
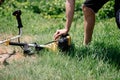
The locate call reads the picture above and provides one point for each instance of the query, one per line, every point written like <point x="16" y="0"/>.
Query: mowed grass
<point x="98" y="61"/>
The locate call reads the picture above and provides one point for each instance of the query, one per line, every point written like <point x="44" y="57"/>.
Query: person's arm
<point x="70" y="4"/>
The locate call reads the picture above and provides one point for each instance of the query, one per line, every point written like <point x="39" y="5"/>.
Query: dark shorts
<point x="95" y="5"/>
<point x="117" y="5"/>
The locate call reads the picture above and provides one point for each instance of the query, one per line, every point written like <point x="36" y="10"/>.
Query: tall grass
<point x="97" y="61"/>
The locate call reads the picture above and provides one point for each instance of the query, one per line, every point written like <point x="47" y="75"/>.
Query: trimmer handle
<point x="17" y="13"/>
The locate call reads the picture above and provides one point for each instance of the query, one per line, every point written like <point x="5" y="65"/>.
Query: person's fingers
<point x="56" y="37"/>
<point x="57" y="34"/>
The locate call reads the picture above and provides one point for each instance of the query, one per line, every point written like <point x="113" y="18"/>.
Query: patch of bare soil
<point x="12" y="53"/>
<point x="8" y="54"/>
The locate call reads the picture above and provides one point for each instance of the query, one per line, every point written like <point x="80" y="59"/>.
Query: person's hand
<point x="59" y="33"/>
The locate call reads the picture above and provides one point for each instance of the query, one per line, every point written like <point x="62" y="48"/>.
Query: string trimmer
<point x="63" y="43"/>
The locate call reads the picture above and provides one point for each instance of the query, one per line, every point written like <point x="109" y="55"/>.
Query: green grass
<point x="98" y="61"/>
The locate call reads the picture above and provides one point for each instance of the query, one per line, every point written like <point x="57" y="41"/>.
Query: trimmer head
<point x="64" y="42"/>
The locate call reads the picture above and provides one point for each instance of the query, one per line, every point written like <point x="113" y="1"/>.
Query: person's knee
<point x="84" y="8"/>
<point x="87" y="11"/>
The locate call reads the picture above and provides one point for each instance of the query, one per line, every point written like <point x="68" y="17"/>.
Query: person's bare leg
<point x="89" y="22"/>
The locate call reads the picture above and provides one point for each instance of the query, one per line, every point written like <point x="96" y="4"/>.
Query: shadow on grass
<point x="109" y="53"/>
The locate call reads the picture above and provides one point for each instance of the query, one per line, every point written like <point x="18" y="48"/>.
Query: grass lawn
<point x="98" y="61"/>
